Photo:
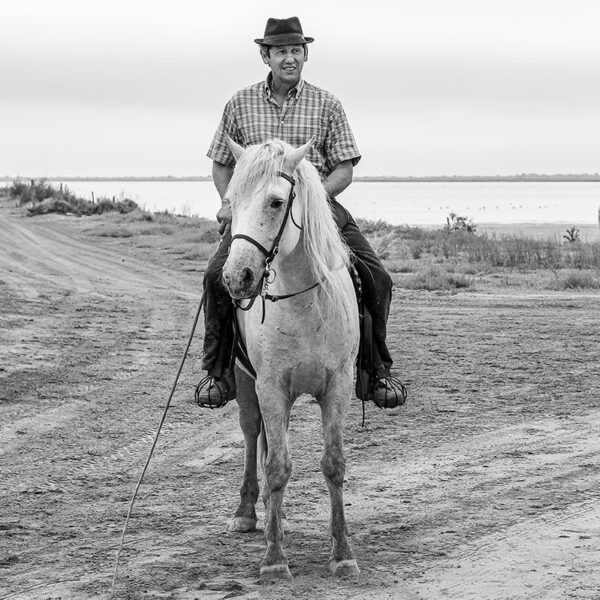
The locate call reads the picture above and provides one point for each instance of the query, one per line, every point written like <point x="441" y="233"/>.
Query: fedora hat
<point x="284" y="32"/>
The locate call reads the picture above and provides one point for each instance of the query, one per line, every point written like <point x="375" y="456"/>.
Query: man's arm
<point x="221" y="177"/>
<point x="339" y="179"/>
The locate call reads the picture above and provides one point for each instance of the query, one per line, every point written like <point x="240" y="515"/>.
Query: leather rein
<point x="269" y="273"/>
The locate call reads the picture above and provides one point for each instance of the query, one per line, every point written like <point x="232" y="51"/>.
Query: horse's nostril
<point x="247" y="275"/>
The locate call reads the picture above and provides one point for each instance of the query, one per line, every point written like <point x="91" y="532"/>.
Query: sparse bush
<point x="116" y="231"/>
<point x="576" y="280"/>
<point x="35" y="191"/>
<point x="44" y="198"/>
<point x="483" y="251"/>
<point x="457" y="223"/>
<point x="400" y="267"/>
<point x="210" y="235"/>
<point x="123" y="206"/>
<point x="434" y="278"/>
<point x="572" y="235"/>
<point x="369" y="227"/>
<point x="392" y="245"/>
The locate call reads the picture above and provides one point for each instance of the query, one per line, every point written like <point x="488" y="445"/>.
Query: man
<point x="287" y="107"/>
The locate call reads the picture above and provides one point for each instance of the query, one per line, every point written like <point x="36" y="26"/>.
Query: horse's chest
<point x="302" y="340"/>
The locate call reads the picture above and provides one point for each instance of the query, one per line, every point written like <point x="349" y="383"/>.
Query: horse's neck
<point x="293" y="270"/>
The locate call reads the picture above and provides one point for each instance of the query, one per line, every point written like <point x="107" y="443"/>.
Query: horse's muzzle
<point x="242" y="282"/>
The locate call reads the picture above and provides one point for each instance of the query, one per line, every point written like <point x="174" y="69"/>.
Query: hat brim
<point x="285" y="39"/>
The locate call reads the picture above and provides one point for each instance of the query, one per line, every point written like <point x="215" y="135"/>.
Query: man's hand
<point x="224" y="217"/>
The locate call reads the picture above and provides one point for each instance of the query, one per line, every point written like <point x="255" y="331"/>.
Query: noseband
<point x="269" y="273"/>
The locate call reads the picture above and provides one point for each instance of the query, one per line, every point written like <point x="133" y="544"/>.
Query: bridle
<point x="269" y="273"/>
<point x="271" y="254"/>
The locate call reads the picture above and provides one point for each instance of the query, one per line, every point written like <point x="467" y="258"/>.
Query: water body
<point x="399" y="203"/>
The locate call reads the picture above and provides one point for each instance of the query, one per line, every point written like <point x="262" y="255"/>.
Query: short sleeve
<point x="219" y="148"/>
<point x="340" y="144"/>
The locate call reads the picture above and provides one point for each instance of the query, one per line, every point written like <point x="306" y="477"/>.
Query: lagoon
<point x="399" y="203"/>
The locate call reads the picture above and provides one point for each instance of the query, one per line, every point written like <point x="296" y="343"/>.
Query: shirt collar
<point x="295" y="91"/>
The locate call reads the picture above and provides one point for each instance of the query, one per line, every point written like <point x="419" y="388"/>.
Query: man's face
<point x="286" y="62"/>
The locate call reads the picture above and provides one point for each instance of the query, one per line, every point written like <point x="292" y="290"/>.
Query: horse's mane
<point x="326" y="251"/>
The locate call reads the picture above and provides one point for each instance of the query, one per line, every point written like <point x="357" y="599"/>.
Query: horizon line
<point x="592" y="177"/>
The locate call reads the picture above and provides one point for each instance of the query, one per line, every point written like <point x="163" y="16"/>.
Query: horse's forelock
<point x="256" y="168"/>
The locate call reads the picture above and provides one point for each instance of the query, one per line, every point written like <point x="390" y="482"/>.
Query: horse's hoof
<point x="242" y="524"/>
<point x="344" y="568"/>
<point x="275" y="573"/>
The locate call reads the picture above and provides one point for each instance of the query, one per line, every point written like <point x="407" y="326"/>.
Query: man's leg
<point x="218" y="387"/>
<point x="377" y="296"/>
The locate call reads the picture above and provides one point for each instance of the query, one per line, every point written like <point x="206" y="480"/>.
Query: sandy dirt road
<point x="486" y="485"/>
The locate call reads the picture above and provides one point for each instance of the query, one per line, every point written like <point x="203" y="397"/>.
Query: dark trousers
<point x="376" y="294"/>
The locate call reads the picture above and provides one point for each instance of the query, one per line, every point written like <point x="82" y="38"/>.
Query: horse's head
<point x="261" y="194"/>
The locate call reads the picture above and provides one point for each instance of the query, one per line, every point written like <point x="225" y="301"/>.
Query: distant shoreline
<point x="523" y="178"/>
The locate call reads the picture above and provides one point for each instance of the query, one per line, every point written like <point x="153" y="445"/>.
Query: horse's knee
<point x="333" y="466"/>
<point x="277" y="471"/>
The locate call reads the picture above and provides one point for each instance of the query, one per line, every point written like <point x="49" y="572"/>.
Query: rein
<point x="269" y="273"/>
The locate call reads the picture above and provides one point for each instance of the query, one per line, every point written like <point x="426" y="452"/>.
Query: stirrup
<point x="209" y="395"/>
<point x="395" y="393"/>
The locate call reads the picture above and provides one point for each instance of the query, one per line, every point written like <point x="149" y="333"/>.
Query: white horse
<point x="301" y="334"/>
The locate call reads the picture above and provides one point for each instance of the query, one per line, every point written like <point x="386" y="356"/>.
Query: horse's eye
<point x="276" y="203"/>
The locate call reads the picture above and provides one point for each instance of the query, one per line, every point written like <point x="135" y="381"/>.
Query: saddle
<point x="394" y="393"/>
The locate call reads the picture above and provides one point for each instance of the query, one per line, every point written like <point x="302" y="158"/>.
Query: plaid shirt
<point x="252" y="116"/>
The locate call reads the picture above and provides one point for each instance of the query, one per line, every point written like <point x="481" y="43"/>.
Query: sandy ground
<point x="486" y="485"/>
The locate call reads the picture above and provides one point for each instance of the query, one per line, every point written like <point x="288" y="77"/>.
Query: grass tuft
<point x="435" y="278"/>
<point x="576" y="280"/>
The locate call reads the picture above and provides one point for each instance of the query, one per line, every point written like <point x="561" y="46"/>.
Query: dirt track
<point x="486" y="485"/>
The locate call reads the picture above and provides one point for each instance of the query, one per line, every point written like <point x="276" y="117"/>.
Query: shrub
<point x="572" y="235"/>
<point x="121" y="206"/>
<point x="116" y="231"/>
<point x="369" y="227"/>
<point x="456" y="223"/>
<point x="36" y="191"/>
<point x="44" y="198"/>
<point x="392" y="245"/>
<point x="434" y="278"/>
<point x="576" y="280"/>
<point x="210" y="235"/>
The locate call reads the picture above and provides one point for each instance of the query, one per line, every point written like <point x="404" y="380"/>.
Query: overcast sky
<point x="431" y="87"/>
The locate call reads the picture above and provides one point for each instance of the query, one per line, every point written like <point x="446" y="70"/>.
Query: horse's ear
<point x="235" y="148"/>
<point x="292" y="160"/>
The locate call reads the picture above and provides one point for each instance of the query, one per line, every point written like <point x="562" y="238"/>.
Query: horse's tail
<point x="263" y="446"/>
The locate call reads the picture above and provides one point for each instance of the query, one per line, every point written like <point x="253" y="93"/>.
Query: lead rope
<point x="162" y="420"/>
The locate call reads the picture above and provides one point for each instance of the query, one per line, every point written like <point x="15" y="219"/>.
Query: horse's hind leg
<point x="277" y="468"/>
<point x="333" y="464"/>
<point x="245" y="516"/>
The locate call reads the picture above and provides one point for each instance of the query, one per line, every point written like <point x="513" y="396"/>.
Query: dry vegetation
<point x="455" y="257"/>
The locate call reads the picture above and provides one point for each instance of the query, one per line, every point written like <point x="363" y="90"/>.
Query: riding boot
<point x="218" y="387"/>
<point x="374" y="380"/>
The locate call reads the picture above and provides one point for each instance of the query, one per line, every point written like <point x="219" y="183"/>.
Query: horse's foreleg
<point x="277" y="467"/>
<point x="333" y="464"/>
<point x="245" y="516"/>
